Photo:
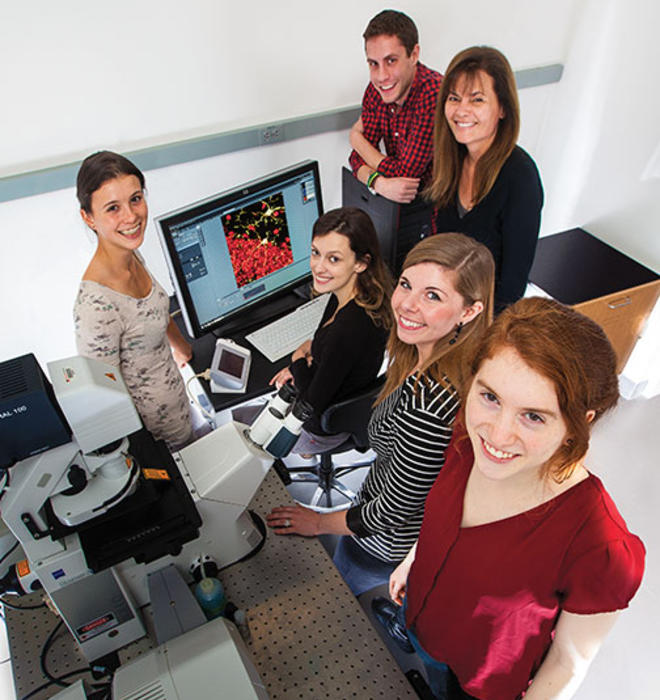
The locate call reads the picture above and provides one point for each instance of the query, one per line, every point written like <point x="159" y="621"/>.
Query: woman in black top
<point x="483" y="184"/>
<point x="346" y="351"/>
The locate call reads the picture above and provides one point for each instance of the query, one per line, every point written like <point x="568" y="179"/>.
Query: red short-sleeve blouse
<point x="485" y="599"/>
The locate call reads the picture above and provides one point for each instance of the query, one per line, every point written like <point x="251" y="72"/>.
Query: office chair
<point x="351" y="416"/>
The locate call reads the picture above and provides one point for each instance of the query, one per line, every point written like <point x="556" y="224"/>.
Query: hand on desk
<point x="284" y="375"/>
<point x="294" y="520"/>
<point x="182" y="356"/>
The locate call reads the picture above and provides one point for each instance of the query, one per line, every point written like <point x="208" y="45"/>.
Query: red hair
<point x="571" y="351"/>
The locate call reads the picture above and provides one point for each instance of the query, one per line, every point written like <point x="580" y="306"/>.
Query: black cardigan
<point x="506" y="221"/>
<point x="347" y="355"/>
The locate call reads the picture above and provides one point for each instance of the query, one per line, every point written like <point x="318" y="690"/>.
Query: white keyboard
<point x="283" y="336"/>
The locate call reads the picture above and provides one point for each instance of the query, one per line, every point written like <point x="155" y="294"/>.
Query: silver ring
<point x="287" y="523"/>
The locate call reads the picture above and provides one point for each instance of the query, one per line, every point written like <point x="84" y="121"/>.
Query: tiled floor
<point x="624" y="453"/>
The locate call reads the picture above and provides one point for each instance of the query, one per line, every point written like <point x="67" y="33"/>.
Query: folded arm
<point x="399" y="177"/>
<point x="415" y="152"/>
<point x="521" y="221"/>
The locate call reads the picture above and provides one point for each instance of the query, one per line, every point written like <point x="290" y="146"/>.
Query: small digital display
<point x="231" y="363"/>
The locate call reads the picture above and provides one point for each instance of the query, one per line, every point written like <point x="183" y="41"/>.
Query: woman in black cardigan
<point x="346" y="351"/>
<point x="484" y="185"/>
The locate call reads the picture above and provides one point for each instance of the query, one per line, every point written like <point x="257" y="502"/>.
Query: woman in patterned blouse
<point x="121" y="313"/>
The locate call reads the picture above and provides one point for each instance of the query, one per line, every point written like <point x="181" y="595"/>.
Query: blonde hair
<point x="448" y="154"/>
<point x="474" y="275"/>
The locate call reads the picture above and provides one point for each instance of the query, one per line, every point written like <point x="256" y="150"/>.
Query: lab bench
<point x="309" y="636"/>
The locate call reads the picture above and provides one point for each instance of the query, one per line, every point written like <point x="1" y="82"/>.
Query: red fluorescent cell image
<point x="258" y="239"/>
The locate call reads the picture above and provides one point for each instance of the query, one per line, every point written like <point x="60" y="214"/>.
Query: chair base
<point x="327" y="477"/>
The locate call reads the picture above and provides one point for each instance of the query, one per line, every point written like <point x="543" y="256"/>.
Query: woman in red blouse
<point x="523" y="560"/>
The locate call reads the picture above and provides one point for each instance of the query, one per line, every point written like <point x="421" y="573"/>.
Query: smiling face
<point x="427" y="307"/>
<point x="391" y="70"/>
<point x="473" y="112"/>
<point x="334" y="265"/>
<point x="513" y="418"/>
<point x="118" y="213"/>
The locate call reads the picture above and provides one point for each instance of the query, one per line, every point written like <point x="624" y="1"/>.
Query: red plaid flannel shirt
<point x="407" y="131"/>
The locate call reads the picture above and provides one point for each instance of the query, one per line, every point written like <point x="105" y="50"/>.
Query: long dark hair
<point x="374" y="284"/>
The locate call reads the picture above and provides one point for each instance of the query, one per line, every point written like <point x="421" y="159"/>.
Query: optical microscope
<point x="98" y="506"/>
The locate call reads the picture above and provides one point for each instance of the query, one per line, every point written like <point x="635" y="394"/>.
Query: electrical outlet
<point x="271" y="134"/>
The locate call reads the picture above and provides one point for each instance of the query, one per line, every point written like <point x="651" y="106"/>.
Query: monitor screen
<point x="231" y="251"/>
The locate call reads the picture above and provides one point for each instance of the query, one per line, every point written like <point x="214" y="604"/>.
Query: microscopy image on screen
<point x="258" y="239"/>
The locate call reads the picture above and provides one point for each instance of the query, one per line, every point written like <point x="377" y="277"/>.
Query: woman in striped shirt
<point x="442" y="304"/>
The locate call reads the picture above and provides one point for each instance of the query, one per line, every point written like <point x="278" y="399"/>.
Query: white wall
<point x="130" y="74"/>
<point x="89" y="80"/>
<point x="46" y="247"/>
<point x="603" y="128"/>
<point x="601" y="133"/>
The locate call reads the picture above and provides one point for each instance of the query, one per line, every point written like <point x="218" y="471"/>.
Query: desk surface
<point x="261" y="368"/>
<point x="310" y="637"/>
<point x="574" y="266"/>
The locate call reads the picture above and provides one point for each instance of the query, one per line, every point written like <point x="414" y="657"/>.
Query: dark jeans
<point x="444" y="684"/>
<point x="442" y="680"/>
<point x="358" y="568"/>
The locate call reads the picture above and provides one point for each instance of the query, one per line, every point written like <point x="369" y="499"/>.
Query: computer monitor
<point x="228" y="253"/>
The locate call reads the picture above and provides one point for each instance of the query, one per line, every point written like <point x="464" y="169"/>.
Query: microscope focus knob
<point x="77" y="478"/>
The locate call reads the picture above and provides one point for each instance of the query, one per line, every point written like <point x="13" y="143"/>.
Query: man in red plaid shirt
<point x="398" y="107"/>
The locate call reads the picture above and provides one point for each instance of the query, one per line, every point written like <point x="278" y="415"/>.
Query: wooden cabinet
<point x="614" y="290"/>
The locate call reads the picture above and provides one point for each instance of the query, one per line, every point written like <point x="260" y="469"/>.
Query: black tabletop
<point x="574" y="266"/>
<point x="261" y="368"/>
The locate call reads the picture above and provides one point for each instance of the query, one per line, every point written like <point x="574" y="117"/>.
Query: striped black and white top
<point x="409" y="431"/>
